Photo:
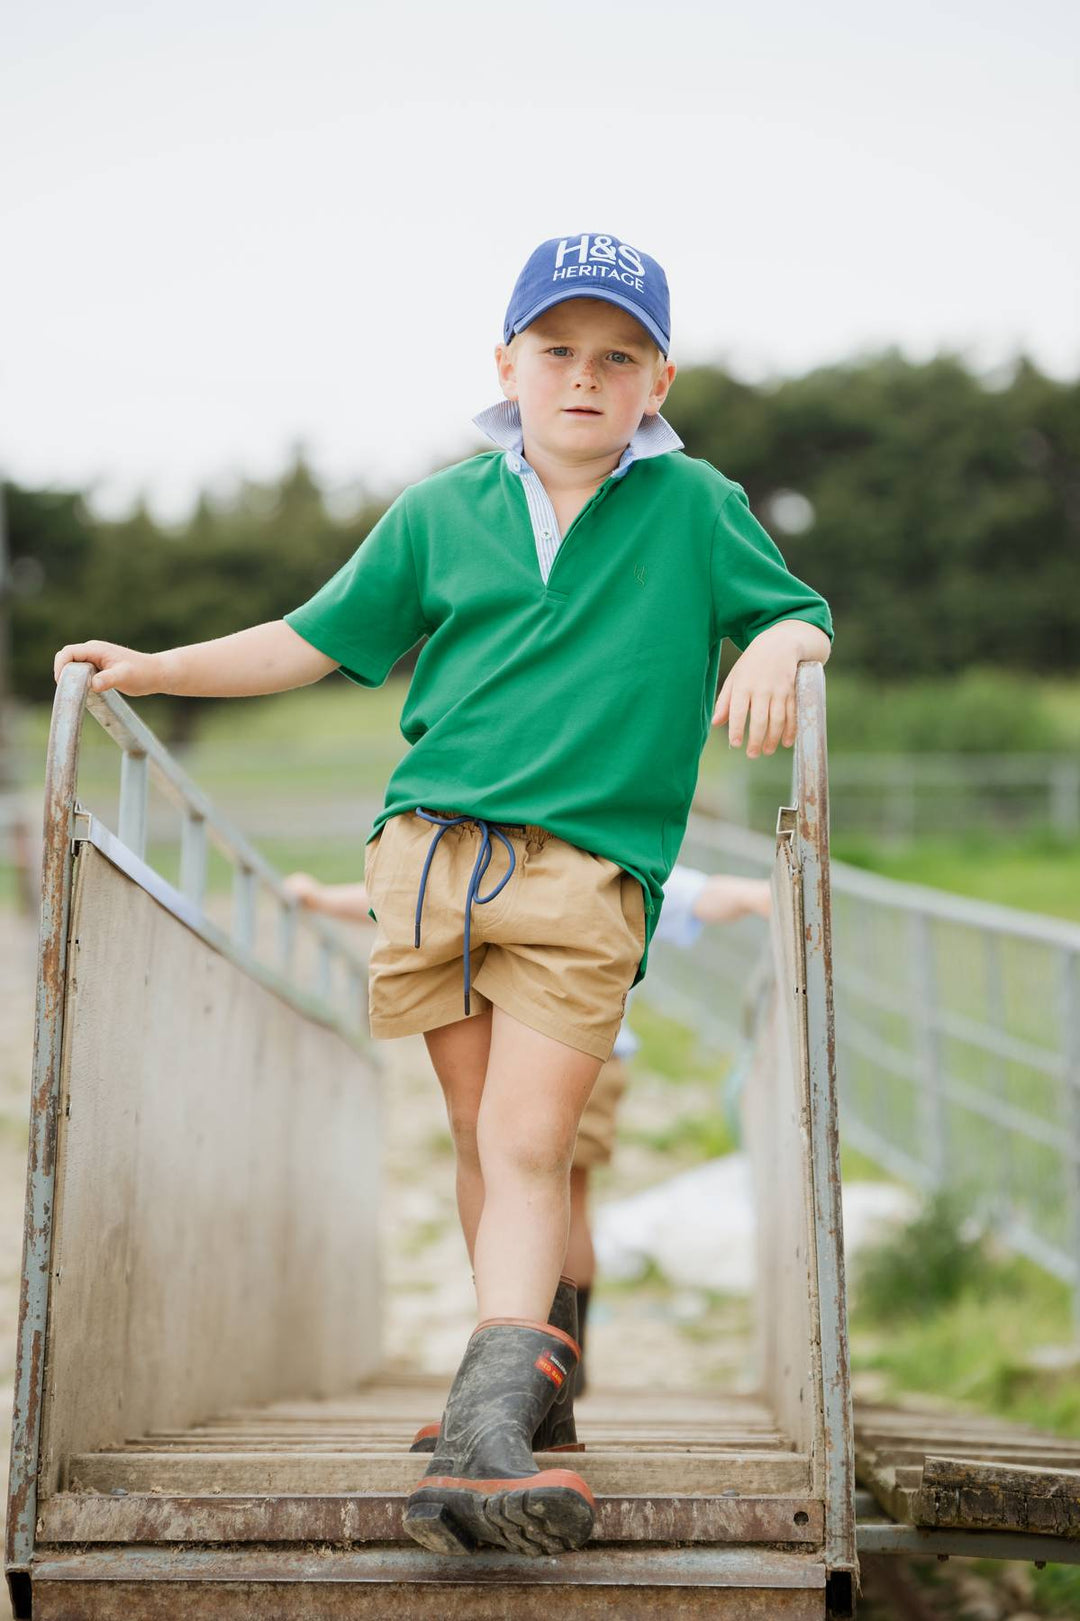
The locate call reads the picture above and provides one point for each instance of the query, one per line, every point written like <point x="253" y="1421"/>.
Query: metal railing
<point x="958" y="1037"/>
<point x="900" y="797"/>
<point x="295" y="952"/>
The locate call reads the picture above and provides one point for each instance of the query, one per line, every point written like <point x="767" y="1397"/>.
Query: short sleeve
<point x="752" y="585"/>
<point x="369" y="614"/>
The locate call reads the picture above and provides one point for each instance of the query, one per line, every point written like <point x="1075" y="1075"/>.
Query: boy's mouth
<point x="582" y="411"/>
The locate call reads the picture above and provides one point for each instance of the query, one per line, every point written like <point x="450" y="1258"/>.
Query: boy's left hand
<point x="760" y="687"/>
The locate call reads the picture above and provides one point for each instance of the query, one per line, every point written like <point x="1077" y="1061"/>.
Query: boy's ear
<point x="504" y="365"/>
<point x="665" y="376"/>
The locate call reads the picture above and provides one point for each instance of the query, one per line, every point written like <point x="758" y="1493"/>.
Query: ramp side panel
<point x="216" y="1189"/>
<point x="775" y="1130"/>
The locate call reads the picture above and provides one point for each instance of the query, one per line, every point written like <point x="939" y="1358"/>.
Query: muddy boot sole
<point x="552" y="1512"/>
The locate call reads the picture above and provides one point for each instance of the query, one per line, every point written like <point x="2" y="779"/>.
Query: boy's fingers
<point x="791" y="721"/>
<point x="759" y="722"/>
<point x="720" y="712"/>
<point x="737" y="707"/>
<point x="777" y="721"/>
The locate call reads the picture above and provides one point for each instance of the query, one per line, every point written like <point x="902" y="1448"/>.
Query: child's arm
<point x="726" y="896"/>
<point x="266" y="658"/>
<point x="348" y="901"/>
<point x="693" y="898"/>
<point x="761" y="685"/>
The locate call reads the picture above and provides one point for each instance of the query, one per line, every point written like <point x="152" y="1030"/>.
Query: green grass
<point x="668" y="1047"/>
<point x="937" y="1312"/>
<point x="688" y="1139"/>
<point x="941" y="1314"/>
<point x="1036" y="872"/>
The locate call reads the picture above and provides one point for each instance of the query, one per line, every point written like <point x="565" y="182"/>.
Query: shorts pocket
<point x="633" y="906"/>
<point x="370" y="850"/>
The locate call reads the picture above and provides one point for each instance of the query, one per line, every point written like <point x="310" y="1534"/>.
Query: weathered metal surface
<point x="142" y="753"/>
<point x="739" y="1568"/>
<point x="292" y="1470"/>
<point x="346" y="1015"/>
<point x="812" y="803"/>
<point x="337" y="1601"/>
<point x="197" y="1108"/>
<point x="61" y="772"/>
<point x="373" y="1517"/>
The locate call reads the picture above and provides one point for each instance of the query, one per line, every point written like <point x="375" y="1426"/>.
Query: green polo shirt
<point x="581" y="705"/>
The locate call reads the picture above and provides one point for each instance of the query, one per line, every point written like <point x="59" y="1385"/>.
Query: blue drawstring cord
<point x="480" y="867"/>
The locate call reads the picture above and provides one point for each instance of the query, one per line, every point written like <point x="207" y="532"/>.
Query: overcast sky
<point x="231" y="227"/>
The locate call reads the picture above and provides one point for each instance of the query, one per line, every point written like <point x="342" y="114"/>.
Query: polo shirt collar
<point x="501" y="422"/>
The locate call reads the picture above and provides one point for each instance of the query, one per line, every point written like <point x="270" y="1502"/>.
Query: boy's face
<point x="584" y="374"/>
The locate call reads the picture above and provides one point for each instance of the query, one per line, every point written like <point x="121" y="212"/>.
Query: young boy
<point x="574" y="586"/>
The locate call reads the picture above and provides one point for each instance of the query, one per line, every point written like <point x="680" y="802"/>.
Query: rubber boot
<point x="557" y="1433"/>
<point x="582" y="1318"/>
<point x="482" y="1486"/>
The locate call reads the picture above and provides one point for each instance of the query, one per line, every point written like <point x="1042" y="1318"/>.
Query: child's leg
<point x="459" y="1053"/>
<point x="533" y="1096"/>
<point x="580" y="1257"/>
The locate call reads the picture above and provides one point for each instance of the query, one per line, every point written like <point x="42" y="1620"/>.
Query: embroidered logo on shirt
<point x="639" y="573"/>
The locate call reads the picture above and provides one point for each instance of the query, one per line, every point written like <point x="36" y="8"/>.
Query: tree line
<point x="937" y="512"/>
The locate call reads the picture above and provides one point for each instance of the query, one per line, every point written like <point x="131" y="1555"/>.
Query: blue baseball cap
<point x="590" y="266"/>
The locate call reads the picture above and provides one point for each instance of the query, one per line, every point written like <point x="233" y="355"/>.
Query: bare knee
<point x="463" y="1131"/>
<point x="526" y="1156"/>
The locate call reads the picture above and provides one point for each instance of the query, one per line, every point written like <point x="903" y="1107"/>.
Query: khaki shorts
<point x="596" y="1132"/>
<point x="557" y="949"/>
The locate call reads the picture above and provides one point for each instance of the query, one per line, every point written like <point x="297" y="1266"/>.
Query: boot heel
<point x="433" y="1525"/>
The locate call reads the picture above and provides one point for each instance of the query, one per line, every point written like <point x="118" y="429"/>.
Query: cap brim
<point x="606" y="296"/>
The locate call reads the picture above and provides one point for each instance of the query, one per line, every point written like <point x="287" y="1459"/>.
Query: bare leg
<point x="533" y="1096"/>
<point x="459" y="1053"/>
<point x="580" y="1258"/>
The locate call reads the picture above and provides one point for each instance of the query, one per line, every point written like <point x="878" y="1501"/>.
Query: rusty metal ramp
<point x="294" y="1508"/>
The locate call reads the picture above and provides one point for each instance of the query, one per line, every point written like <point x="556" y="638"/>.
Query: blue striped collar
<point x="501" y="422"/>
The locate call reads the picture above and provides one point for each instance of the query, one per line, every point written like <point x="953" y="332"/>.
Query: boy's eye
<point x="618" y="355"/>
<point x="559" y="349"/>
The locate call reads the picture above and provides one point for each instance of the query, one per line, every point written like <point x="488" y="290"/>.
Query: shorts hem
<point x="387" y="1027"/>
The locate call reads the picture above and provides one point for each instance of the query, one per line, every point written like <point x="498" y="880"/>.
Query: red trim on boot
<point x="426" y="1433"/>
<point x="530" y="1322"/>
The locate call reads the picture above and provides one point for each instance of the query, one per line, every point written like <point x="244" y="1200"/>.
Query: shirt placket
<point x="545" y="525"/>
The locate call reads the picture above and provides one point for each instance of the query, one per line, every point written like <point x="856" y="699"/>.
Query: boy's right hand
<point x="134" y="674"/>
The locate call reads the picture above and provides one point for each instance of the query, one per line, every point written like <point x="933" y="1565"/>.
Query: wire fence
<point x="958" y="1037"/>
<point x="902" y="797"/>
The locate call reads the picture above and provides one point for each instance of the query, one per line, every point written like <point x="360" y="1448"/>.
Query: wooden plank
<point x="754" y="1474"/>
<point x="961" y="1494"/>
<point x="990" y="1454"/>
<point x="82" y="1517"/>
